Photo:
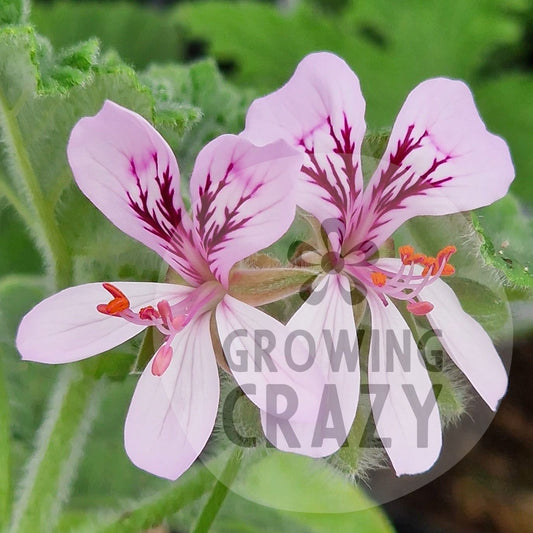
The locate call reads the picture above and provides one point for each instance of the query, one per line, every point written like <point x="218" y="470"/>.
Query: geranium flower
<point x="242" y="200"/>
<point x="440" y="159"/>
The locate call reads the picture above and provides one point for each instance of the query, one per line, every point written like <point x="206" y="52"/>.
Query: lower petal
<point x="467" y="343"/>
<point x="326" y="320"/>
<point x="276" y="372"/>
<point x="172" y="416"/>
<point x="403" y="403"/>
<point x="67" y="326"/>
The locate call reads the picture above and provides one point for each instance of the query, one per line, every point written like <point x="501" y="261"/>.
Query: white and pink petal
<point x="172" y="416"/>
<point x="129" y="173"/>
<point x="327" y="323"/>
<point x="68" y="327"/>
<point x="466" y="342"/>
<point x="405" y="410"/>
<point x="320" y="111"/>
<point x="440" y="159"/>
<point x="274" y="368"/>
<point x="243" y="199"/>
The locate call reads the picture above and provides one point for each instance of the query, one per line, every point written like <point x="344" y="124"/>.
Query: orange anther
<point x="447" y="251"/>
<point x="111" y="289"/>
<point x="118" y="304"/>
<point x="406" y="250"/>
<point x="418" y="258"/>
<point x="378" y="278"/>
<point x="431" y="266"/>
<point x="448" y="270"/>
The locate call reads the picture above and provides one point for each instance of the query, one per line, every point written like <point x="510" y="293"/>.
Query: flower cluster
<point x="301" y="146"/>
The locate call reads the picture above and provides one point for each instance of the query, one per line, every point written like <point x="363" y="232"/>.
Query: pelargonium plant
<point x="301" y="146"/>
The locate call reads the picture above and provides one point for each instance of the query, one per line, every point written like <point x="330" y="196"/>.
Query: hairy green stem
<point x="60" y="442"/>
<point x="5" y="434"/>
<point x="153" y="511"/>
<point x="9" y="194"/>
<point x="218" y="493"/>
<point x="55" y="246"/>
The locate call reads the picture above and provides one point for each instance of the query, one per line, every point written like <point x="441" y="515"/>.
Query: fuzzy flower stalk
<point x="440" y="159"/>
<point x="243" y="199"/>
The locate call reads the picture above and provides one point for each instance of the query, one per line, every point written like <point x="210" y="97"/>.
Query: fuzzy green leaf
<point x="14" y="11"/>
<point x="311" y="494"/>
<point x="506" y="235"/>
<point x="139" y="34"/>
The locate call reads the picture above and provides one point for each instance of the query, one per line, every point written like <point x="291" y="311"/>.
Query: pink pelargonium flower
<point x="242" y="200"/>
<point x="440" y="159"/>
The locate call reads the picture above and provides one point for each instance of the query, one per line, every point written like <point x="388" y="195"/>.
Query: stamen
<point x="378" y="279"/>
<point x="446" y="252"/>
<point x="162" y="360"/>
<point x="448" y="270"/>
<point x="117" y="305"/>
<point x="431" y="266"/>
<point x="405" y="253"/>
<point x="408" y="255"/>
<point x="420" y="308"/>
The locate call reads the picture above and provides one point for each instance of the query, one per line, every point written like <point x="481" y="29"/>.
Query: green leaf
<point x="262" y="45"/>
<point x="17" y="252"/>
<point x="139" y="34"/>
<point x="151" y="511"/>
<point x="41" y="108"/>
<point x="193" y="106"/>
<point x="506" y="104"/>
<point x="310" y="494"/>
<point x="506" y="234"/>
<point x="18" y="293"/>
<point x="14" y="11"/>
<point x="5" y="449"/>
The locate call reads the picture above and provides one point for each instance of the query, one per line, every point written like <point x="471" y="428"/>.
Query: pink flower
<point x="440" y="159"/>
<point x="243" y="200"/>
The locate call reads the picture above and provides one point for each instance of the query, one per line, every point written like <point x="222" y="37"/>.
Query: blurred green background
<point x="392" y="46"/>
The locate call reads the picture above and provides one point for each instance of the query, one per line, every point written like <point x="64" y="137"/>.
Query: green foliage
<point x="506" y="104"/>
<point x="13" y="11"/>
<point x="5" y="449"/>
<point x="391" y="46"/>
<point x="139" y="34"/>
<point x="507" y="234"/>
<point x="193" y="106"/>
<point x="309" y="494"/>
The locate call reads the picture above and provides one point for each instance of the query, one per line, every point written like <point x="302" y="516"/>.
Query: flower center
<point x="168" y="319"/>
<point x="332" y="261"/>
<point x="417" y="271"/>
